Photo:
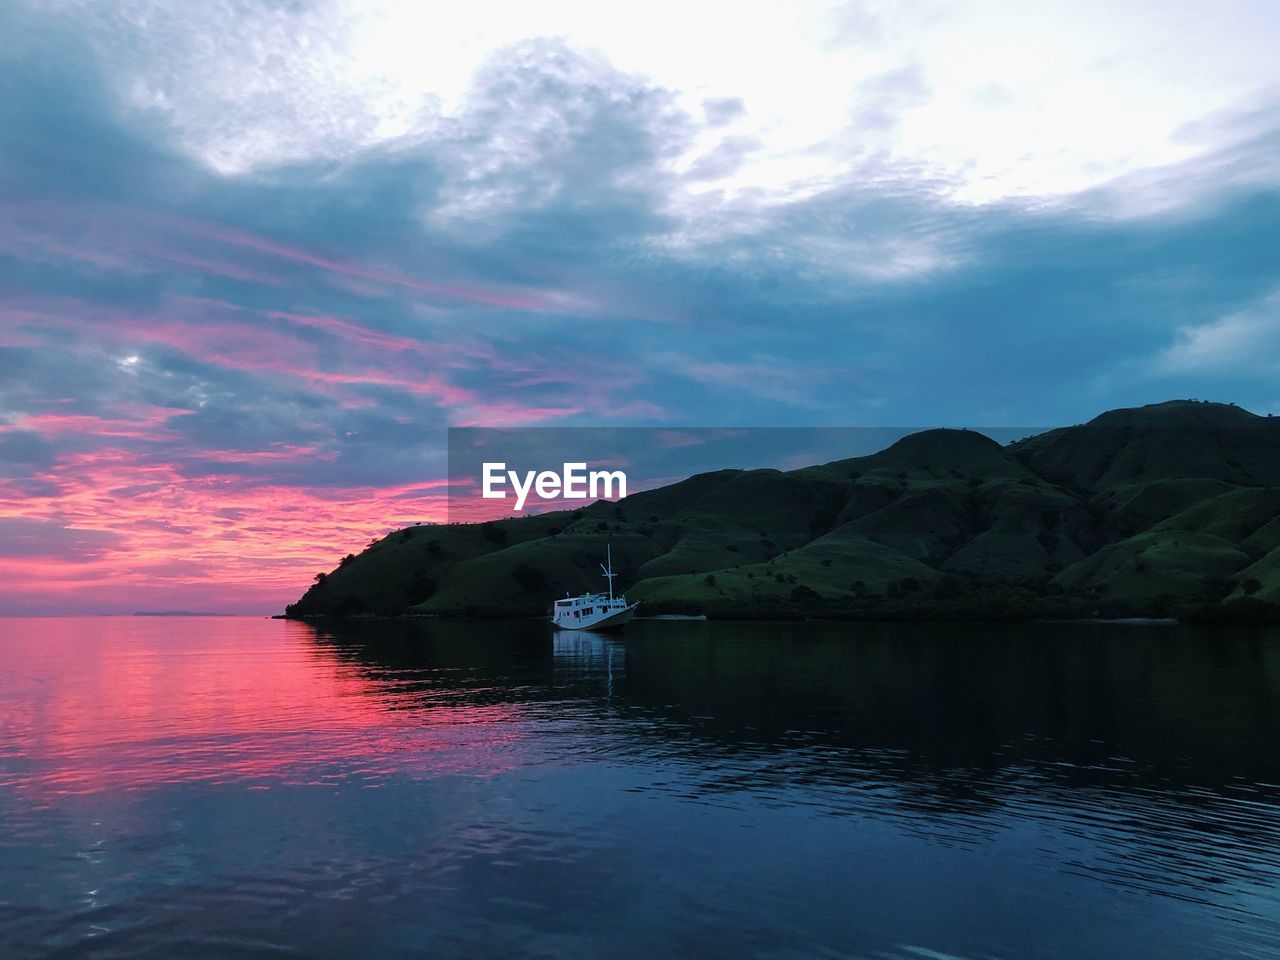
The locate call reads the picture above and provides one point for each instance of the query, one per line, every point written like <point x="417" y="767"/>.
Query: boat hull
<point x="614" y="620"/>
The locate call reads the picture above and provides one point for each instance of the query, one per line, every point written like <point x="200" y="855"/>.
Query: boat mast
<point x="608" y="571"/>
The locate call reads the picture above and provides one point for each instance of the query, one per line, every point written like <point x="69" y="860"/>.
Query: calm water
<point x="254" y="788"/>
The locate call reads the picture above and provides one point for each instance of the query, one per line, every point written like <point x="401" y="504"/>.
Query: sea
<point x="231" y="787"/>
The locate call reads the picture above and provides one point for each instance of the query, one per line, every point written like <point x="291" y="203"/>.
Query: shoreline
<point x="671" y="617"/>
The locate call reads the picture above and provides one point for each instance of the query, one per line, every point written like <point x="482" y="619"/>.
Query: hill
<point x="1164" y="510"/>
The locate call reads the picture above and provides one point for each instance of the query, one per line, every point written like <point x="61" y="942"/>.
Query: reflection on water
<point x="230" y="787"/>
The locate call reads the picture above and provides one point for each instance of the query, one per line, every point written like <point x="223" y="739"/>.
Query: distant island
<point x="178" y="613"/>
<point x="1168" y="510"/>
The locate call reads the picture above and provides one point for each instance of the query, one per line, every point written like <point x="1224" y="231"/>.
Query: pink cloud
<point x="512" y="299"/>
<point x="222" y="540"/>
<point x="112" y="237"/>
<point x="138" y="425"/>
<point x="218" y="333"/>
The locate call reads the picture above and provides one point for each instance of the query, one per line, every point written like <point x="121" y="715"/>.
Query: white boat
<point x="594" y="611"/>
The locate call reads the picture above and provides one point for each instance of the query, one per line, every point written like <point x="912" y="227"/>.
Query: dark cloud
<point x="719" y="111"/>
<point x="31" y="539"/>
<point x="726" y="157"/>
<point x="882" y="99"/>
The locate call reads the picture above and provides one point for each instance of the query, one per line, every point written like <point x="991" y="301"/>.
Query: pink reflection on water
<point x="138" y="703"/>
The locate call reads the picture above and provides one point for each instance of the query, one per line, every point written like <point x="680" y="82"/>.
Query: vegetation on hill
<point x="1164" y="510"/>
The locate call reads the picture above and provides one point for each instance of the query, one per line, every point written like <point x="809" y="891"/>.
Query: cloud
<point x="28" y="538"/>
<point x="991" y="102"/>
<point x="1245" y="340"/>
<point x="243" y="86"/>
<point x="546" y="128"/>
<point x="21" y="449"/>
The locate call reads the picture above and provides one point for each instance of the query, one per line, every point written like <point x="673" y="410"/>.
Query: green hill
<point x="1165" y="510"/>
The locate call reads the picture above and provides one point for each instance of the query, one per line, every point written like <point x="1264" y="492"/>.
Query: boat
<point x="594" y="611"/>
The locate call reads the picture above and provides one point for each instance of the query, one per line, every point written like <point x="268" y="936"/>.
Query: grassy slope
<point x="1139" y="512"/>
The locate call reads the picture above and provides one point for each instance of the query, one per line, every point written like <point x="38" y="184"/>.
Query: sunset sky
<point x="256" y="258"/>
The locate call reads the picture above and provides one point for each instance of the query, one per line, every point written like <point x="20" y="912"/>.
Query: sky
<point x="256" y="258"/>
